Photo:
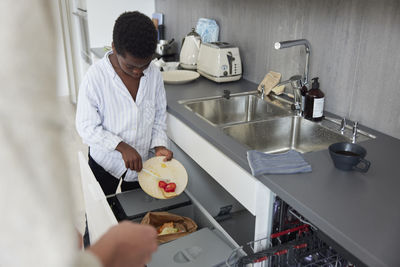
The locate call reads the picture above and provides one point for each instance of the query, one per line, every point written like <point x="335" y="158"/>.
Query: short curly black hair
<point x="134" y="33"/>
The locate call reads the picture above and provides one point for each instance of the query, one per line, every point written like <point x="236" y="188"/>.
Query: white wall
<point x="103" y="13"/>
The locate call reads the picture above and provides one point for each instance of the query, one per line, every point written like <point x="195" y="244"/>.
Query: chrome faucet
<point x="262" y="91"/>
<point x="296" y="81"/>
<point x="286" y="44"/>
<point x="343" y="125"/>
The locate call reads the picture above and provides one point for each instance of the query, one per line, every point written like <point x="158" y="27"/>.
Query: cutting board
<point x="172" y="170"/>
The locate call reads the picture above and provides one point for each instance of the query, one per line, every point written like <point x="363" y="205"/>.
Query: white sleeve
<point x="159" y="131"/>
<point x="88" y="121"/>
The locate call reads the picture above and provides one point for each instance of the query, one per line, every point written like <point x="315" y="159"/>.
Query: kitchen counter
<point x="357" y="210"/>
<point x="99" y="52"/>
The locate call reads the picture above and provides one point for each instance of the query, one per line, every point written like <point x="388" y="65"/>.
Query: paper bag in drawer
<point x="184" y="225"/>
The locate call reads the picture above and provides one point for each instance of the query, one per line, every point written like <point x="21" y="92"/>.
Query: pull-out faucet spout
<point x="286" y="44"/>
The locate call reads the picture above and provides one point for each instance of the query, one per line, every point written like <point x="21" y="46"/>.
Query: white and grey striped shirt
<point x="107" y="114"/>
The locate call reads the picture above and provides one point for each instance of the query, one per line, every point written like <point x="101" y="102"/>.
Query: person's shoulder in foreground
<point x="44" y="235"/>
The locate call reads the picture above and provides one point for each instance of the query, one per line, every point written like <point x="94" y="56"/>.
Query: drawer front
<point x="210" y="245"/>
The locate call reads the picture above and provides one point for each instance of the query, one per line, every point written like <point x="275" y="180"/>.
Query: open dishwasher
<point x="294" y="242"/>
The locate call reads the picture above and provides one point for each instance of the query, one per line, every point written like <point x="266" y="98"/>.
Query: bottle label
<point x="318" y="109"/>
<point x="303" y="103"/>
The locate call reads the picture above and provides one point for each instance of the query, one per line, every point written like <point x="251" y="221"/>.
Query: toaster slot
<point x="230" y="60"/>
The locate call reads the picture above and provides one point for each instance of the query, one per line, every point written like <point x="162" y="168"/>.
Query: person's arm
<point x="88" y="122"/>
<point x="126" y="244"/>
<point x="159" y="139"/>
<point x="131" y="157"/>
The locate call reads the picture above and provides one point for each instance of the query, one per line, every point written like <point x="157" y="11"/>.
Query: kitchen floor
<point x="73" y="145"/>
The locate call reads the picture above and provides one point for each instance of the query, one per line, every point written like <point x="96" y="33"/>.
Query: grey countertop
<point x="99" y="52"/>
<point x="357" y="210"/>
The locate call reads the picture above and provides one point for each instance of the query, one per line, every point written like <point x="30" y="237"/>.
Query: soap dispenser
<point x="314" y="106"/>
<point x="303" y="93"/>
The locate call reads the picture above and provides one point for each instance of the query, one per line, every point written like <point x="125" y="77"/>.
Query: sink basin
<point x="282" y="134"/>
<point x="268" y="125"/>
<point x="221" y="111"/>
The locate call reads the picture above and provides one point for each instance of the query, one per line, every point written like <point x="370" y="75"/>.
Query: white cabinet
<point x="99" y="215"/>
<point x="250" y="192"/>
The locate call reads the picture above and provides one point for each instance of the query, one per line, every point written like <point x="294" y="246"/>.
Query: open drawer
<point x="190" y="250"/>
<point x="210" y="245"/>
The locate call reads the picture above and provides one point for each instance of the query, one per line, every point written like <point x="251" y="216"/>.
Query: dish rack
<point x="296" y="244"/>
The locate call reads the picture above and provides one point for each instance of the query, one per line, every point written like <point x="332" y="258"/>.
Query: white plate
<point x="172" y="170"/>
<point x="179" y="76"/>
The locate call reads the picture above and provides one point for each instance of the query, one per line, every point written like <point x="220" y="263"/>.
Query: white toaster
<point x="219" y="61"/>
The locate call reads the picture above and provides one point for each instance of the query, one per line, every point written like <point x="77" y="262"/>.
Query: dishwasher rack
<point x="308" y="250"/>
<point x="294" y="242"/>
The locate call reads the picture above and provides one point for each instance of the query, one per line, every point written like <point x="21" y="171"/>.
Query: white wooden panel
<point x="252" y="194"/>
<point x="237" y="181"/>
<point x="99" y="215"/>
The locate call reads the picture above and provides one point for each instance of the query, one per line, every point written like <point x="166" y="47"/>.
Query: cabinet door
<point x="98" y="213"/>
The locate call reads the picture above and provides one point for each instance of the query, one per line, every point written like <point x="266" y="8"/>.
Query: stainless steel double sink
<point x="268" y="124"/>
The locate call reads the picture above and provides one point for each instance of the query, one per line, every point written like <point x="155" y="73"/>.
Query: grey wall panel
<point x="377" y="85"/>
<point x="354" y="47"/>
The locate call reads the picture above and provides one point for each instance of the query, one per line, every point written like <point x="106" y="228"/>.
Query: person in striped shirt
<point x="121" y="109"/>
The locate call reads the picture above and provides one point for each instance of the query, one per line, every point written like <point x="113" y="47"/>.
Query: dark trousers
<point x="108" y="182"/>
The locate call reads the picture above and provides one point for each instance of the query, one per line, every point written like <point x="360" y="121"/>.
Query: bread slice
<point x="168" y="194"/>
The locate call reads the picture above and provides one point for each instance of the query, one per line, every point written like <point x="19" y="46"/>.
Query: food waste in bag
<point x="169" y="226"/>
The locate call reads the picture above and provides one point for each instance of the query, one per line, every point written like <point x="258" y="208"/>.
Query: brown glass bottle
<point x="314" y="106"/>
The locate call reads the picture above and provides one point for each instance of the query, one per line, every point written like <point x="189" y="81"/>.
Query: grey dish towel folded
<point x="283" y="163"/>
